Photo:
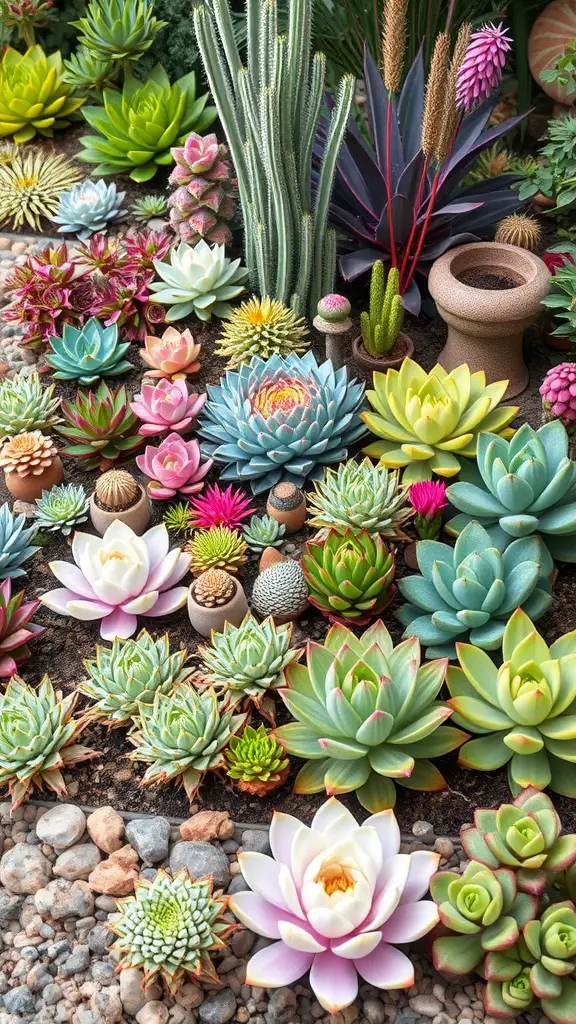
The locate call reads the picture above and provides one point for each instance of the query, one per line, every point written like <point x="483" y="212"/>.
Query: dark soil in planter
<point x="476" y="278"/>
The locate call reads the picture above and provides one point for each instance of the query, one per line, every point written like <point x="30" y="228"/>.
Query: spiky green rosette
<point x="246" y="662"/>
<point x="349" y="576"/>
<point x="182" y="736"/>
<point x="217" y="548"/>
<point x="256" y="761"/>
<point x="261" y="327"/>
<point x="30" y="186"/>
<point x="169" y="927"/>
<point x="149" y="206"/>
<point x="62" y="508"/>
<point x="15" y="543"/>
<point x="129" y="674"/>
<point x="264" y="532"/>
<point x="87" y="353"/>
<point x="360" y="496"/>
<point x="177" y="517"/>
<point x="26" y="405"/>
<point x="119" y="30"/>
<point x="37" y="738"/>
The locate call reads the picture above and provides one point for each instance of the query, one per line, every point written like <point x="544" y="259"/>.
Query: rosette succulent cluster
<point x="349" y="575"/>
<point x="26" y="405"/>
<point x="30" y="186"/>
<point x="62" y="508"/>
<point x="89" y="206"/>
<point x="468" y="592"/>
<point x="366" y="714"/>
<point x="256" y="762"/>
<point x="168" y="928"/>
<point x="198" y="280"/>
<point x="203" y="204"/>
<point x="523" y="486"/>
<point x="336" y="897"/>
<point x="29" y="454"/>
<point x="166" y="407"/>
<point x="118" y="30"/>
<point x="174" y="467"/>
<point x="217" y="548"/>
<point x="16" y="629"/>
<point x="15" y="543"/>
<point x="87" y="353"/>
<point x="138" y="126"/>
<point x="88" y="74"/>
<point x="261" y="327"/>
<point x="429" y="421"/>
<point x="244" y="663"/>
<point x="173" y="355"/>
<point x="264" y="532"/>
<point x="281" y="419"/>
<point x="34" y="98"/>
<point x="360" y="496"/>
<point x="38" y="738"/>
<point x="220" y="507"/>
<point x="123" y="677"/>
<point x="183" y="736"/>
<point x="100" y="427"/>
<point x="522" y="711"/>
<point x="558" y="390"/>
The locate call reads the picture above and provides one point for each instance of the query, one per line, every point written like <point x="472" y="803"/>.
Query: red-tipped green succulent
<point x="15" y="629"/>
<point x="525" y="836"/>
<point x="100" y="427"/>
<point x="349" y="576"/>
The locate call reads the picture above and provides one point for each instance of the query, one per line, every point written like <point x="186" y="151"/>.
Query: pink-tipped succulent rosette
<point x="174" y="467"/>
<point x="173" y="355"/>
<point x="165" y="407"/>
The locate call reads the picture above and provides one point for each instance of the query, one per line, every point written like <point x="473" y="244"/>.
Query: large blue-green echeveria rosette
<point x="520" y="487"/>
<point x="88" y="353"/>
<point x="469" y="592"/>
<point x="281" y="419"/>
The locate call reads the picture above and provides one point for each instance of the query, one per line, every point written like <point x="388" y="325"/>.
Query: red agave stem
<point x="393" y="257"/>
<point x="417" y="203"/>
<point x="424" y="231"/>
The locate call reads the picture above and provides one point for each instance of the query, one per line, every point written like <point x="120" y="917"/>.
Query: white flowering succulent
<point x="88" y="207"/>
<point x="199" y="279"/>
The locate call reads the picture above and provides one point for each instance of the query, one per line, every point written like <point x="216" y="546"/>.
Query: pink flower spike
<point x="166" y="406"/>
<point x="428" y="498"/>
<point x="481" y="70"/>
<point x="174" y="467"/>
<point x="220" y="508"/>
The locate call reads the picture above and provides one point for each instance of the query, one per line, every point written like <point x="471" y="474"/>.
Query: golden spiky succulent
<point x="261" y="327"/>
<point x="116" y="490"/>
<point x="31" y="181"/>
<point x="520" y="229"/>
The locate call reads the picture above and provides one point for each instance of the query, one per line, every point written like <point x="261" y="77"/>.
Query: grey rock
<point x="54" y="949"/>
<point x="238" y="884"/>
<point x="407" y="1016"/>
<point x="29" y="953"/>
<point x="103" y="972"/>
<point x="24" y="869"/>
<point x="373" y="1010"/>
<point x="149" y="874"/>
<point x="77" y="862"/>
<point x="131" y="993"/>
<point x="38" y="978"/>
<point x="256" y="840"/>
<point x="241" y="942"/>
<point x="281" y="1006"/>
<point x="154" y="1012"/>
<point x="218" y="1008"/>
<point x="78" y="961"/>
<point x="52" y="994"/>
<point x="21" y="1000"/>
<point x="61" y="826"/>
<point x="201" y="859"/>
<point x="10" y="905"/>
<point x="106" y="1005"/>
<point x="61" y="898"/>
<point x="427" y="1004"/>
<point x="99" y="938"/>
<point x="150" y="838"/>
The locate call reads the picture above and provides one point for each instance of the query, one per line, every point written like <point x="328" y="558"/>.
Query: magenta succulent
<point x="202" y="205"/>
<point x="220" y="508"/>
<point x="558" y="392"/>
<point x="428" y="498"/>
<point x="174" y="467"/>
<point x="166" y="406"/>
<point x="16" y="630"/>
<point x="482" y="67"/>
<point x="197" y="155"/>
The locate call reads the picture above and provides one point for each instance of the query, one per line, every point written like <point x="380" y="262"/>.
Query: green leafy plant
<point x="360" y="496"/>
<point x="62" y="508"/>
<point x="561" y="301"/>
<point x="522" y="710"/>
<point x="264" y="532"/>
<point x="30" y="186"/>
<point x="100" y="427"/>
<point x="366" y="716"/>
<point x="563" y="70"/>
<point x="555" y="175"/>
<point x="349" y="576"/>
<point x="217" y="548"/>
<point x="149" y="207"/>
<point x="177" y="518"/>
<point x="383" y="323"/>
<point x="26" y="405"/>
<point x="88" y="74"/>
<point x="256" y="761"/>
<point x="119" y="30"/>
<point x="34" y="98"/>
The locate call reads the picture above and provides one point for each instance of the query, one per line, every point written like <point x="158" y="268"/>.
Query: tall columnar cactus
<point x="269" y="108"/>
<point x="383" y="323"/>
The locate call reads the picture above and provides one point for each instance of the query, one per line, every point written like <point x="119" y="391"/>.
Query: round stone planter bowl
<point x="136" y="517"/>
<point x="486" y="319"/>
<point x="204" y="620"/>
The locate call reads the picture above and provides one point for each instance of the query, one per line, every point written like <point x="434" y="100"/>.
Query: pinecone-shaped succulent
<point x="280" y="591"/>
<point x="264" y="532"/>
<point x="28" y="454"/>
<point x="15" y="546"/>
<point x="182" y="736"/>
<point x="217" y="548"/>
<point x="129" y="674"/>
<point x="62" y="508"/>
<point x="116" y="491"/>
<point x="261" y="327"/>
<point x="213" y="588"/>
<point x="168" y="928"/>
<point x="520" y="229"/>
<point x="202" y="205"/>
<point x="256" y="761"/>
<point x="246" y="662"/>
<point x="26" y="405"/>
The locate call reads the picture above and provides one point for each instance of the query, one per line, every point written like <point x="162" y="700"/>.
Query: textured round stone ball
<point x="280" y="591"/>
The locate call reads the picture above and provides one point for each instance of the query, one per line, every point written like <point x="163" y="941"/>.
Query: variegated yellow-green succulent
<point x="34" y="98"/>
<point x="429" y="421"/>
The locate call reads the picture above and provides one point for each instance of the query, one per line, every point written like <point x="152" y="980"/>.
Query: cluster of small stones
<point x="61" y="873"/>
<point x="13" y="251"/>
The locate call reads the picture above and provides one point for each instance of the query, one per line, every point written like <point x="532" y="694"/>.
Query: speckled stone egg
<point x="281" y="591"/>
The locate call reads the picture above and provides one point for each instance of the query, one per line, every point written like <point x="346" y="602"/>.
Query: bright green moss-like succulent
<point x="522" y="711"/>
<point x="34" y="98"/>
<point x="169" y="927"/>
<point x="118" y="30"/>
<point x="523" y="486"/>
<point x="256" y="761"/>
<point x="87" y="353"/>
<point x="26" y="405"/>
<point x="30" y="186"/>
<point x="217" y="548"/>
<point x="360" y="496"/>
<point x="177" y="518"/>
<point x="129" y="674"/>
<point x="264" y="532"/>
<point x="62" y="508"/>
<point x="149" y="207"/>
<point x="349" y="576"/>
<point x="468" y="592"/>
<point x="366" y="716"/>
<point x="245" y="663"/>
<point x="429" y="421"/>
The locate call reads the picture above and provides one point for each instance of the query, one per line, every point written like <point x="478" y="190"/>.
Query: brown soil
<point x="489" y="282"/>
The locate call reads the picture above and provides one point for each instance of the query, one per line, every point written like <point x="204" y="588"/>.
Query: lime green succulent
<point x="26" y="405"/>
<point x="217" y="548"/>
<point x="34" y="97"/>
<point x="88" y="74"/>
<point x="118" y="30"/>
<point x="429" y="421"/>
<point x="360" y="496"/>
<point x="349" y="576"/>
<point x="256" y="761"/>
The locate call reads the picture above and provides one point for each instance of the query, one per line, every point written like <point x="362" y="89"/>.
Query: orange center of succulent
<point x="334" y="877"/>
<point x="281" y="396"/>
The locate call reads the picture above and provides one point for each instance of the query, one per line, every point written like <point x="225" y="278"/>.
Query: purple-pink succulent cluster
<point x="174" y="467"/>
<point x="558" y="392"/>
<point x="481" y="70"/>
<point x="220" y="508"/>
<point x="166" y="406"/>
<point x="16" y="629"/>
<point x="202" y="205"/>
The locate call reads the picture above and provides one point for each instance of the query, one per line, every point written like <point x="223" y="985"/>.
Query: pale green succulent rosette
<point x="264" y="532"/>
<point x="506" y="999"/>
<point x="62" y="508"/>
<point x="25" y="404"/>
<point x="522" y="711"/>
<point x="520" y="487"/>
<point x="360" y="496"/>
<point x="88" y="353"/>
<point x="118" y="30"/>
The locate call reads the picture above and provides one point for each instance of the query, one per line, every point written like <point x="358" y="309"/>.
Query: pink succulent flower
<point x="557" y="260"/>
<point x="558" y="392"/>
<point x="337" y="898"/>
<point x="173" y="355"/>
<point x="428" y="498"/>
<point x="196" y="156"/>
<point x="220" y="508"/>
<point x="482" y="67"/>
<point x="166" y="406"/>
<point x="174" y="467"/>
<point x="119" y="576"/>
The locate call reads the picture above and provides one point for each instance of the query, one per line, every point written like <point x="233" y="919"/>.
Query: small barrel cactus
<point x="261" y="327"/>
<point x="217" y="548"/>
<point x="520" y="229"/>
<point x="88" y="207"/>
<point x="213" y="588"/>
<point x="116" y="491"/>
<point x="256" y="762"/>
<point x="281" y="591"/>
<point x="335" y="309"/>
<point x="263" y="532"/>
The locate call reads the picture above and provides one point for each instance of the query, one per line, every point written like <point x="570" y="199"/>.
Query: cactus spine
<point x="269" y="110"/>
<point x="383" y="323"/>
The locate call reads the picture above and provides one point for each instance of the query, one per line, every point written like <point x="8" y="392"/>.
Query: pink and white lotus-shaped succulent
<point x="165" y="407"/>
<point x="119" y="576"/>
<point x="173" y="355"/>
<point x="336" y="897"/>
<point x="174" y="467"/>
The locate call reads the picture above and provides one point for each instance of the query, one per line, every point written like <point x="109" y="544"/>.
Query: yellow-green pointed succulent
<point x="34" y="97"/>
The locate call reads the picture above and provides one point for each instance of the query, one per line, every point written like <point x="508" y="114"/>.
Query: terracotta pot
<point x="270" y="556"/>
<point x="204" y="620"/>
<point x="28" y="488"/>
<point x="410" y="558"/>
<point x="292" y="518"/>
<point x="485" y="325"/>
<point x="403" y="348"/>
<point x="553" y="29"/>
<point x="136" y="517"/>
<point x="542" y="202"/>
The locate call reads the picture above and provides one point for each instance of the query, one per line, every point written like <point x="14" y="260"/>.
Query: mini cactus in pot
<point x="256" y="762"/>
<point x="381" y="342"/>
<point x="214" y="599"/>
<point x="287" y="505"/>
<point x="118" y="495"/>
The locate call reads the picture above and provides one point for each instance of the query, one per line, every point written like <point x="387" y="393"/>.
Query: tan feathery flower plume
<point x="393" y="43"/>
<point x="451" y="113"/>
<point x="434" y="107"/>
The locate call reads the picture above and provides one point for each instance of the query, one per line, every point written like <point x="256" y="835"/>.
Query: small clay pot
<point x="204" y="620"/>
<point x="403" y="348"/>
<point x="270" y="556"/>
<point x="28" y="488"/>
<point x="543" y="202"/>
<point x="287" y="505"/>
<point x="136" y="517"/>
<point x="554" y="342"/>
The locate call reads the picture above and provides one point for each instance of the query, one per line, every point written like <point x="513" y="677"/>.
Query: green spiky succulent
<point x="37" y="738"/>
<point x="30" y="186"/>
<point x="383" y="323"/>
<point x="366" y="714"/>
<point x="256" y="761"/>
<point x="245" y="663"/>
<point x="177" y="518"/>
<point x="129" y="674"/>
<point x="182" y="736"/>
<point x="349" y="576"/>
<point x="26" y="405"/>
<point x="100" y="427"/>
<point x="34" y="98"/>
<point x="16" y="545"/>
<point x="261" y="327"/>
<point x="264" y="532"/>
<point x="169" y="927"/>
<point x="217" y="548"/>
<point x="522" y="711"/>
<point x="149" y="207"/>
<point x="62" y="508"/>
<point x="360" y="496"/>
<point x="88" y="73"/>
<point x="119" y="30"/>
